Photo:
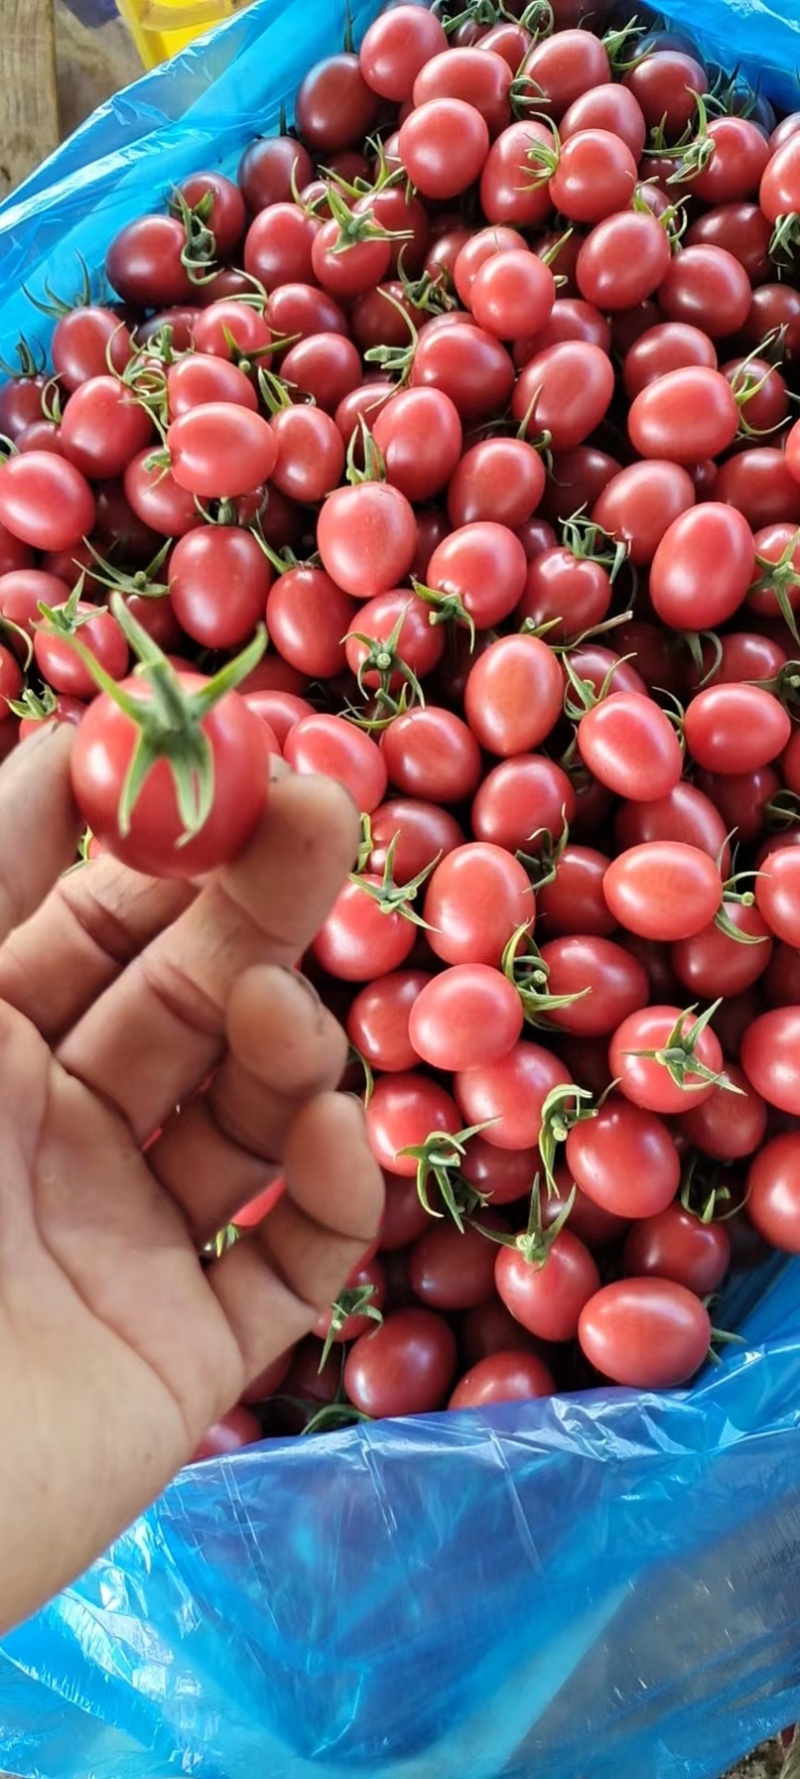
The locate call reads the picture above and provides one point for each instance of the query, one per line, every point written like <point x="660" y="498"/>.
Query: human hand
<point x="119" y="997"/>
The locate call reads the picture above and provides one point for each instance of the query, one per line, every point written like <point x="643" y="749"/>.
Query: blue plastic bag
<point x="598" y="1587"/>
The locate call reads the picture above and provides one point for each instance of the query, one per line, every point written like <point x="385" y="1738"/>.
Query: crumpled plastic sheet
<point x="603" y="1586"/>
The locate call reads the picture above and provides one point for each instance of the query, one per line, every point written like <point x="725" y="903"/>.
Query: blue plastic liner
<point x="603" y="1586"/>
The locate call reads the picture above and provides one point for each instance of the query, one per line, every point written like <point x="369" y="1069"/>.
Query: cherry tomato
<point x="616" y="982"/>
<point x="144" y="264"/>
<point x="711" y="962"/>
<point x="760" y="484"/>
<point x="469" y="1015"/>
<point x="85" y="343"/>
<point x="677" y="1245"/>
<point x="500" y="480"/>
<point x="45" y="501"/>
<point x="548" y="1296"/>
<point x="570" y="594"/>
<point x="779" y="189"/>
<point x="103" y="428"/>
<point x="572" y="901"/>
<point x="406" y="1367"/>
<point x="443" y="147"/>
<point x="359" y="939"/>
<point x="703" y="567"/>
<point x="595" y="176"/>
<point x="366" y="537"/>
<point x="565" y="66"/>
<point x="430" y="753"/>
<point x="623" y="260"/>
<point x="770" y="1057"/>
<point x="508" y="1096"/>
<point x="773" y="1189"/>
<point x="624" y="1159"/>
<point x="225" y="205"/>
<point x="609" y="107"/>
<point x="454" y="1270"/>
<point x="267" y="169"/>
<point x="396" y="47"/>
<point x="684" y="416"/>
<point x="477" y="250"/>
<point x="60" y="665"/>
<point x="509" y="190"/>
<point x="727" y="1125"/>
<point x="423" y="832"/>
<point x="521" y="801"/>
<point x="512" y="294"/>
<point x="669" y="346"/>
<point x="219" y="579"/>
<point x="302" y="311"/>
<point x="476" y="899"/>
<point x="404" y="1217"/>
<point x="514" y="694"/>
<point x="630" y="745"/>
<point x="665" y="83"/>
<point x="503" y="1377"/>
<point x="706" y="286"/>
<point x="777" y="889"/>
<point x="370" y="1273"/>
<point x="651" y="1333"/>
<point x="310" y="454"/>
<point x="644" y="1079"/>
<point x="483" y="567"/>
<point x="307" y="618"/>
<point x="640" y="503"/>
<point x="403" y="1111"/>
<point x="221" y="449"/>
<point x="735" y="728"/>
<point x="663" y="889"/>
<point x="334" y="107"/>
<point x="158" y="500"/>
<point x="419" y="436"/>
<point x="466" y="363"/>
<point x="201" y="378"/>
<point x="565" y="391"/>
<point x="378" y="1020"/>
<point x="476" y="76"/>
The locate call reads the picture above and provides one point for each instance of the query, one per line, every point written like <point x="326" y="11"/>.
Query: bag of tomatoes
<point x="472" y="381"/>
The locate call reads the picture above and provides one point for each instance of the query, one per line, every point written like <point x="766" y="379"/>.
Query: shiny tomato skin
<point x="616" y="981"/>
<point x="503" y="1377"/>
<point x="334" y="107"/>
<point x="777" y="891"/>
<point x="640" y="503"/>
<point x="369" y="1273"/>
<point x="310" y="454"/>
<point x="566" y="391"/>
<point x="521" y="801"/>
<point x="727" y="1126"/>
<point x="308" y="617"/>
<point x="595" y="176"/>
<point x="378" y="1020"/>
<point x="685" y="416"/>
<point x="708" y="288"/>
<point x="759" y="482"/>
<point x="669" y="346"/>
<point x="406" y="1367"/>
<point x="770" y="1057"/>
<point x="396" y="46"/>
<point x="513" y="293"/>
<point x="357" y="940"/>
<point x="157" y="500"/>
<point x="735" y="728"/>
<point x="506" y="195"/>
<point x="60" y="665"/>
<point x="596" y="1227"/>
<point x="646" y="1081"/>
<point x="663" y="889"/>
<point x="647" y="1333"/>
<point x="548" y="1297"/>
<point x="468" y="1015"/>
<point x="773" y="1186"/>
<point x="508" y="1096"/>
<point x="630" y="745"/>
<point x="423" y="831"/>
<point x="476" y="899"/>
<point x="514" y="695"/>
<point x="219" y="579"/>
<point x="564" y="67"/>
<point x="366" y="538"/>
<point x="484" y="566"/>
<point x="103" y="428"/>
<point x="703" y="567"/>
<point x="420" y="437"/>
<point x="431" y="754"/>
<point x="624" y="1159"/>
<point x="403" y="1111"/>
<point x="710" y="962"/>
<point x="221" y="449"/>
<point x="573" y="900"/>
<point x="200" y="378"/>
<point x="686" y="814"/>
<point x="475" y="75"/>
<point x="612" y="107"/>
<point x="144" y="266"/>
<point x="419" y="644"/>
<point x="499" y="479"/>
<point x="443" y="147"/>
<point x="454" y="1270"/>
<point x="623" y="260"/>
<point x="568" y="593"/>
<point x="100" y="760"/>
<point x="677" y="1245"/>
<point x="45" y="501"/>
<point x="331" y="745"/>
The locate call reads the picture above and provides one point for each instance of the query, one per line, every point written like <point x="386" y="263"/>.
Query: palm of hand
<point x="119" y="999"/>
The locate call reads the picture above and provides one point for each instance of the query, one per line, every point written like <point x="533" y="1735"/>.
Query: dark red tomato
<point x="268" y="169"/>
<point x="201" y="378"/>
<point x="655" y="959"/>
<point x="406" y="1367"/>
<point x="670" y="346"/>
<point x="786" y="128"/>
<point x="523" y="801"/>
<point x="735" y="728"/>
<point x="734" y="169"/>
<point x="774" y="306"/>
<point x="396" y="47"/>
<point x="404" y="1216"/>
<point x="577" y="477"/>
<point x="430" y="753"/>
<point x="238" y="1428"/>
<point x="770" y="1057"/>
<point x="22" y="591"/>
<point x="402" y="1112"/>
<point x="370" y="1274"/>
<point x="609" y="107"/>
<point x="378" y="1020"/>
<point x="570" y="593"/>
<point x="535" y="536"/>
<point x="219" y="579"/>
<point x="573" y="901"/>
<point x="651" y="1334"/>
<point x="663" y="889"/>
<point x="640" y="503"/>
<point x="782" y="977"/>
<point x="514" y="694"/>
<point x="548" y="1296"/>
<point x="423" y="833"/>
<point x="616" y="982"/>
<point x="310" y="454"/>
<point x="512" y="294"/>
<point x="14" y="554"/>
<point x="476" y="899"/>
<point x="483" y="567"/>
<point x="727" y="1126"/>
<point x="60" y="665"/>
<point x="773" y="1187"/>
<point x="502" y="1175"/>
<point x="510" y="40"/>
<point x="478" y="77"/>
<point x="624" y="1159"/>
<point x="84" y="342"/>
<point x="278" y="245"/>
<point x="500" y="480"/>
<point x="418" y="644"/>
<point x="468" y="364"/>
<point x="706" y="286"/>
<point x="158" y="500"/>
<point x="703" y="566"/>
<point x="741" y="229"/>
<point x="269" y="1380"/>
<point x="144" y="264"/>
<point x="777" y="889"/>
<point x="623" y="260"/>
<point x="508" y="1096"/>
<point x="644" y="1079"/>
<point x="510" y="189"/>
<point x="779" y="190"/>
<point x="759" y="483"/>
<point x="596" y="1227"/>
<point x="742" y="800"/>
<point x="595" y="176"/>
<point x="469" y="1015"/>
<point x="155" y="842"/>
<point x="563" y="67"/>
<point x="45" y="501"/>
<point x="790" y="764"/>
<point x="685" y="416"/>
<point x="443" y="147"/>
<point x="733" y="1018"/>
<point x="221" y="449"/>
<point x="503" y="1377"/>
<point x="666" y="84"/>
<point x="182" y="320"/>
<point x="631" y="746"/>
<point x="570" y="319"/>
<point x="565" y="392"/>
<point x="594" y="664"/>
<point x="658" y="654"/>
<point x="366" y="537"/>
<point x="676" y="1245"/>
<point x="380" y="317"/>
<point x="21" y="405"/>
<point x="366" y="399"/>
<point x="278" y="709"/>
<point x="779" y="545"/>
<point x="348" y="268"/>
<point x="300" y="311"/>
<point x="742" y="655"/>
<point x="359" y="939"/>
<point x="419" y="436"/>
<point x="454" y="1270"/>
<point x="11" y="684"/>
<point x="226" y="216"/>
<point x="331" y="745"/>
<point x="685" y="815"/>
<point x="334" y="107"/>
<point x="41" y="435"/>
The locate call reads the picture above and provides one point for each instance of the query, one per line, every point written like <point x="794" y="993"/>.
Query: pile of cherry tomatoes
<point x="476" y="394"/>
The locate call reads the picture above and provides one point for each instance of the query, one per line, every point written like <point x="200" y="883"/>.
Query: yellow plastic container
<point x="161" y="27"/>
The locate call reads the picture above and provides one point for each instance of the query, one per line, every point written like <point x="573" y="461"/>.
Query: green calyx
<point x="397" y="898"/>
<point x="383" y="660"/>
<point x="679" y="1054"/>
<point x="199" y="254"/>
<point x="525" y="968"/>
<point x="563" y="1108"/>
<point x="355" y="1300"/>
<point x="440" y="1159"/>
<point x="782" y="579"/>
<point x="170" y="721"/>
<point x="445" y="608"/>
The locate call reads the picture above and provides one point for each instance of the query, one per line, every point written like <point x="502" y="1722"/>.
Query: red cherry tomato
<point x="636" y="1062"/>
<point x="651" y="1333"/>
<point x="476" y="899"/>
<point x="770" y="1057"/>
<point x="548" y="1296"/>
<point x="330" y="745"/>
<point x="773" y="1192"/>
<point x="406" y="1367"/>
<point x="677" y="1245"/>
<point x="403" y="1111"/>
<point x="514" y="694"/>
<point x="624" y="1159"/>
<point x="45" y="501"/>
<point x="443" y="147"/>
<point x="378" y="1023"/>
<point x="452" y="1269"/>
<point x="727" y="1125"/>
<point x="469" y="1015"/>
<point x="431" y="754"/>
<point x="366" y="538"/>
<point x="630" y="745"/>
<point x="503" y="1377"/>
<point x="508" y="1096"/>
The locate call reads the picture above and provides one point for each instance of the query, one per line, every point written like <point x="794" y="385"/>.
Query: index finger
<point x="39" y="822"/>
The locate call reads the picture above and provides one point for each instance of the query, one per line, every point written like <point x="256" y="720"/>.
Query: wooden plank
<point x="29" y="128"/>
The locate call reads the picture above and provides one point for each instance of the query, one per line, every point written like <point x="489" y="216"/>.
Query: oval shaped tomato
<point x="624" y="1159"/>
<point x="650" y="1334"/>
<point x="727" y="1125"/>
<point x="430" y="753"/>
<point x="567" y="594"/>
<point x="564" y="391"/>
<point x="685" y="416"/>
<point x="402" y="1112"/>
<point x="418" y="433"/>
<point x="623" y="260"/>
<point x="630" y="745"/>
<point x="104" y="427"/>
<point x="219" y="579"/>
<point x="773" y="1192"/>
<point x="328" y="744"/>
<point x="510" y="1376"/>
<point x="616" y="983"/>
<point x="378" y="1020"/>
<point x="451" y="1269"/>
<point x="476" y="899"/>
<point x="423" y="833"/>
<point x="508" y="1096"/>
<point x="677" y="1245"/>
<point x="366" y="537"/>
<point x="406" y="1367"/>
<point x="514" y="694"/>
<point x="637" y="1060"/>
<point x="475" y="75"/>
<point x="663" y="889"/>
<point x="310" y="454"/>
<point x="470" y="1014"/>
<point x="735" y="728"/>
<point x="669" y="346"/>
<point x="154" y="842"/>
<point x="359" y="939"/>
<point x="686" y="814"/>
<point x="572" y="901"/>
<point x="45" y="501"/>
<point x="498" y="479"/>
<point x="521" y="802"/>
<point x="512" y="294"/>
<point x="548" y="1296"/>
<point x="770" y="1057"/>
<point x="703" y="567"/>
<point x="404" y="1217"/>
<point x="62" y="668"/>
<point x="777" y="889"/>
<point x="443" y="146"/>
<point x="221" y="450"/>
<point x="483" y="567"/>
<point x="706" y="286"/>
<point x="711" y="963"/>
<point x="396" y="46"/>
